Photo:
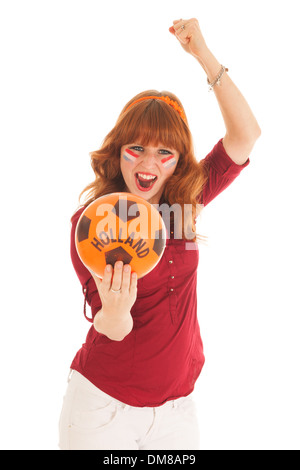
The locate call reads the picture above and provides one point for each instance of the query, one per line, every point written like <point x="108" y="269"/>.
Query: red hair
<point x="157" y="123"/>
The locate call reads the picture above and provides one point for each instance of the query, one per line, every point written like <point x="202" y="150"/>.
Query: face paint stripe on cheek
<point x="130" y="156"/>
<point x="168" y="162"/>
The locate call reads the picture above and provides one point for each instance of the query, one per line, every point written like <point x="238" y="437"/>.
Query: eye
<point x="165" y="152"/>
<point x="137" y="148"/>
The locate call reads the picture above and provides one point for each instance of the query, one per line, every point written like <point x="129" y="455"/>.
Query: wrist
<point x="114" y="326"/>
<point x="209" y="63"/>
<point x="202" y="52"/>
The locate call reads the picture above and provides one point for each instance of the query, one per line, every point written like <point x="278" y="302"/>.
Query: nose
<point x="149" y="159"/>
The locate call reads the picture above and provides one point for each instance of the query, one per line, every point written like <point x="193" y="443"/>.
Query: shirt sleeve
<point x="89" y="289"/>
<point x="222" y="171"/>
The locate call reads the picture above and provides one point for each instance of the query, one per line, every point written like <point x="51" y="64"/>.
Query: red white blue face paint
<point x="130" y="156"/>
<point x="168" y="162"/>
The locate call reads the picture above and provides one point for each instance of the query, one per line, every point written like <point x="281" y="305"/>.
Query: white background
<point x="67" y="70"/>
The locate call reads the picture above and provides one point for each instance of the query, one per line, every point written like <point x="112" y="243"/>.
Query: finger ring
<point x="115" y="291"/>
<point x="183" y="27"/>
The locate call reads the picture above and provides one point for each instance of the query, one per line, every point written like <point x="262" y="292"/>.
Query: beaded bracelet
<point x="217" y="81"/>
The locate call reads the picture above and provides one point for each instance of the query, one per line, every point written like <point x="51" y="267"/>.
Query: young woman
<point x="131" y="382"/>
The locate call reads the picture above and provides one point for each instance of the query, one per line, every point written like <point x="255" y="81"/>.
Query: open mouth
<point x="145" y="182"/>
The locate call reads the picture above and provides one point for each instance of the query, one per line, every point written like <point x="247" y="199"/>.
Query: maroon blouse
<point x="162" y="357"/>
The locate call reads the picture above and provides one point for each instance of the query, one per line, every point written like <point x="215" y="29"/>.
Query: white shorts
<point x="92" y="420"/>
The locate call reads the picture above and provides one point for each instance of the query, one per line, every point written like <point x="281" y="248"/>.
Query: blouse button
<point x="170" y="261"/>
<point x="172" y="277"/>
<point x="171" y="290"/>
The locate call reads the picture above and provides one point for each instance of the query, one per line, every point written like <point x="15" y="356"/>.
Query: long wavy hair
<point x="157" y="123"/>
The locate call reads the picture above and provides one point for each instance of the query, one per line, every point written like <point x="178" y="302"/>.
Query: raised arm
<point x="242" y="129"/>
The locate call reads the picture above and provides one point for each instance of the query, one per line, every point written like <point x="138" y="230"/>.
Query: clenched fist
<point x="189" y="35"/>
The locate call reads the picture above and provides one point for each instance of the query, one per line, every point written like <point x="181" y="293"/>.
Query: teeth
<point x="146" y="177"/>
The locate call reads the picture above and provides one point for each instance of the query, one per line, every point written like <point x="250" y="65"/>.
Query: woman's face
<point x="146" y="169"/>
